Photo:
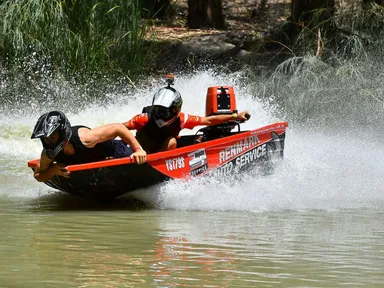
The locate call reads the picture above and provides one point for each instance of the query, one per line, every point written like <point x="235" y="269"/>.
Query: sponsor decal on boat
<point x="238" y="148"/>
<point x="198" y="162"/>
<point x="175" y="163"/>
<point x="242" y="160"/>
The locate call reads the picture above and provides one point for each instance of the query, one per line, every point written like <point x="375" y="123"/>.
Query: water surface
<point x="318" y="221"/>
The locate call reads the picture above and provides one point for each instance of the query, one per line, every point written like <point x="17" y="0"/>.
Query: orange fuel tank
<point x="220" y="100"/>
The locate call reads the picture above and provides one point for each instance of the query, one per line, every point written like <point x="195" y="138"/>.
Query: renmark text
<point x="238" y="148"/>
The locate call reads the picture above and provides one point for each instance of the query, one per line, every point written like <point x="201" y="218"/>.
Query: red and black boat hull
<point x="232" y="153"/>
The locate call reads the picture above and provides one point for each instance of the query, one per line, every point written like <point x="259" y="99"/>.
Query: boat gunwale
<point x="172" y="153"/>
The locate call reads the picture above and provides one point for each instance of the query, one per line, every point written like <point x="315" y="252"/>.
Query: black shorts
<point x="121" y="149"/>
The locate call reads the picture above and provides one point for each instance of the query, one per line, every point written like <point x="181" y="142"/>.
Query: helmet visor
<point x="165" y="116"/>
<point x="54" y="143"/>
<point x="162" y="112"/>
<point x="52" y="153"/>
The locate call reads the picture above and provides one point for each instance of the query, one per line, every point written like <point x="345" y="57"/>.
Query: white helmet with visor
<point x="166" y="106"/>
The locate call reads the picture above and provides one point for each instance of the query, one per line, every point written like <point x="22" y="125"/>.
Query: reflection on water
<point x="52" y="241"/>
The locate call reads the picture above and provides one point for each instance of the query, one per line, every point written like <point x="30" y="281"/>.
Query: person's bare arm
<point x="218" y="119"/>
<point x="90" y="138"/>
<point x="46" y="169"/>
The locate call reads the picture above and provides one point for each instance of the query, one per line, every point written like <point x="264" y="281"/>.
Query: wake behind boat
<point x="220" y="150"/>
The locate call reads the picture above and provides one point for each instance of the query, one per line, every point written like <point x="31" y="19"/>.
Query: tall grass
<point x="346" y="33"/>
<point x="308" y="92"/>
<point x="341" y="86"/>
<point x="76" y="37"/>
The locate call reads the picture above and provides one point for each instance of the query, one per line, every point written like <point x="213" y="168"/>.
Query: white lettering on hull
<point x="237" y="148"/>
<point x="251" y="156"/>
<point x="175" y="163"/>
<point x="242" y="160"/>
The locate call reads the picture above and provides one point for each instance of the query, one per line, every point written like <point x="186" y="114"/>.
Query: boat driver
<point x="64" y="144"/>
<point x="158" y="127"/>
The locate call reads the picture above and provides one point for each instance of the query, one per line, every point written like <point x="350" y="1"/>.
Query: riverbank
<point x="183" y="48"/>
<point x="253" y="36"/>
<point x="130" y="49"/>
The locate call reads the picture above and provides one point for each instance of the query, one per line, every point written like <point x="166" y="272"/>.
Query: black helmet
<point x="166" y="106"/>
<point x="49" y="123"/>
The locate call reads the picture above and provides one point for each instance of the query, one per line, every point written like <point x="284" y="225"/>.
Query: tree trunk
<point x="309" y="13"/>
<point x="303" y="10"/>
<point x="205" y="14"/>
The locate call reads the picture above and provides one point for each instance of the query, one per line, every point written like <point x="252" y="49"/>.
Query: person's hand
<point x="140" y="156"/>
<point x="244" y="116"/>
<point x="59" y="169"/>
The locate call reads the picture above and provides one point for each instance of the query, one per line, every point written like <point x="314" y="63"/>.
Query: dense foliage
<point x="73" y="37"/>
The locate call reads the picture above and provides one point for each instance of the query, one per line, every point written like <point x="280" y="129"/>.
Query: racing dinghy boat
<point x="220" y="150"/>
